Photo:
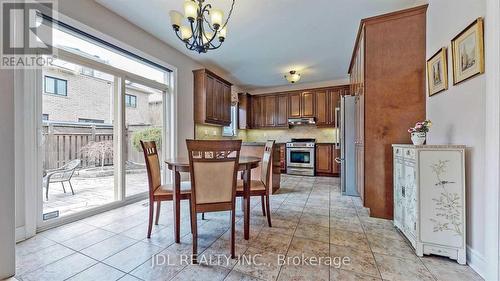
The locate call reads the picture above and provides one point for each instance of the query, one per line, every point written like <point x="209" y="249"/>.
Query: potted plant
<point x="419" y="132"/>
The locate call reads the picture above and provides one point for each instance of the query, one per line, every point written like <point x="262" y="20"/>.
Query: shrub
<point x="148" y="134"/>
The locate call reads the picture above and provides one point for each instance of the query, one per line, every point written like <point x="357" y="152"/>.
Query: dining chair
<point x="261" y="187"/>
<point x="213" y="167"/>
<point x="157" y="191"/>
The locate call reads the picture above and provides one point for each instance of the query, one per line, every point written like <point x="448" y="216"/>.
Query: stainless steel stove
<point x="300" y="157"/>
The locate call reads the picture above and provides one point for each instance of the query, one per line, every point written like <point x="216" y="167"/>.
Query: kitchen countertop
<point x="255" y="143"/>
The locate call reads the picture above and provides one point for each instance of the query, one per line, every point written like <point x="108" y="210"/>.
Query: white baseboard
<point x="477" y="262"/>
<point x="20" y="234"/>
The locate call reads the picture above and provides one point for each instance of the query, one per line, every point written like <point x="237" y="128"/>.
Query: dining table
<point x="181" y="164"/>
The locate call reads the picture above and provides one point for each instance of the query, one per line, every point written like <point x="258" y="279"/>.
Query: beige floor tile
<point x="281" y="226"/>
<point x="355" y="260"/>
<point x="61" y="269"/>
<point x="99" y="271"/>
<point x="219" y="253"/>
<point x="133" y="256"/>
<point x="346" y="224"/>
<point x="108" y="247"/>
<point x="445" y="269"/>
<point x="294" y="272"/>
<point x="392" y="247"/>
<point x="308" y="248"/>
<point x="308" y="218"/>
<point x="238" y="276"/>
<point x="349" y="239"/>
<point x="345" y="275"/>
<point x="313" y="232"/>
<point x="265" y="265"/>
<point x="32" y="261"/>
<point x="272" y="242"/>
<point x="163" y="266"/>
<point x="394" y="268"/>
<point x="92" y="237"/>
<point x="202" y="272"/>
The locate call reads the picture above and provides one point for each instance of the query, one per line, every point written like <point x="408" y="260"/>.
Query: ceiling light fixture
<point x="199" y="36"/>
<point x="293" y="76"/>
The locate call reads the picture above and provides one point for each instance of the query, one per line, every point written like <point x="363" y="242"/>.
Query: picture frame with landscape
<point x="468" y="52"/>
<point x="437" y="72"/>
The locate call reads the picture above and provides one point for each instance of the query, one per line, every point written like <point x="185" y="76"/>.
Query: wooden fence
<point x="63" y="142"/>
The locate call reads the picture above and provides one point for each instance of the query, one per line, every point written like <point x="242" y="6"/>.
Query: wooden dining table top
<point x="244" y="162"/>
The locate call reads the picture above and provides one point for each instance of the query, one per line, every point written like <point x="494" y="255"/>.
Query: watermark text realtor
<point x="26" y="37"/>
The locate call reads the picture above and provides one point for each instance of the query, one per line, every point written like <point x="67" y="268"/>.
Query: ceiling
<point x="267" y="38"/>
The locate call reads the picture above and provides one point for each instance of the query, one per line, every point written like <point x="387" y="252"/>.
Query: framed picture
<point x="437" y="72"/>
<point x="468" y="52"/>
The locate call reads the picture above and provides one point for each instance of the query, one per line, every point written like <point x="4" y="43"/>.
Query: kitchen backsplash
<point x="206" y="132"/>
<point x="284" y="135"/>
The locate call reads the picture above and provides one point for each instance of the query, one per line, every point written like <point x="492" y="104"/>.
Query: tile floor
<point x="310" y="219"/>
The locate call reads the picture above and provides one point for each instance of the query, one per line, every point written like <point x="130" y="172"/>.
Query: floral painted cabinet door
<point x="429" y="198"/>
<point x="442" y="201"/>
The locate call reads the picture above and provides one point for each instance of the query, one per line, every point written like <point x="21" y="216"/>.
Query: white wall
<point x="7" y="190"/>
<point x="458" y="115"/>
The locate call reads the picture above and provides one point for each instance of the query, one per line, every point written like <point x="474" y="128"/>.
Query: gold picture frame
<point x="437" y="72"/>
<point x="468" y="52"/>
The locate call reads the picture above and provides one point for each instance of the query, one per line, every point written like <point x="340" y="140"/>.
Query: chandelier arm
<point x="215" y="47"/>
<point x="229" y="15"/>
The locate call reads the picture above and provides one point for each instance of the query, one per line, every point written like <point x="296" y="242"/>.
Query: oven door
<point x="299" y="157"/>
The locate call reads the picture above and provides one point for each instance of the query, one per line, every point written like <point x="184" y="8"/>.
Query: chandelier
<point x="200" y="33"/>
<point x="293" y="76"/>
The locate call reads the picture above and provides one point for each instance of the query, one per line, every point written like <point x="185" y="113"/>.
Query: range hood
<point x="301" y="121"/>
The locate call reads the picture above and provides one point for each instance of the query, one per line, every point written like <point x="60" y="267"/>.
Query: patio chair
<point x="62" y="174"/>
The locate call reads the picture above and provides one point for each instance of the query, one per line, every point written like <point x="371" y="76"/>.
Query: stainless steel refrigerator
<point x="347" y="158"/>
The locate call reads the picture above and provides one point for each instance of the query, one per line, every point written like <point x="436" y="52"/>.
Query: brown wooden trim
<point x="346" y="86"/>
<point x="213" y="74"/>
<point x="384" y="17"/>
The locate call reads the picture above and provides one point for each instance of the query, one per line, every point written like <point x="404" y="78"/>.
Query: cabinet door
<point x="308" y="104"/>
<point x="211" y="102"/>
<point x="324" y="155"/>
<point x="256" y="112"/>
<point x="333" y="100"/>
<point x="322" y="108"/>
<point x="218" y="100"/>
<point x="269" y="109"/>
<point x="409" y="194"/>
<point x="225" y="110"/>
<point x="282" y="111"/>
<point x="294" y="101"/>
<point x="399" y="185"/>
<point x="243" y="111"/>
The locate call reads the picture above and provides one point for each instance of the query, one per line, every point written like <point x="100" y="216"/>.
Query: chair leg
<point x="233" y="218"/>
<point x="64" y="189"/>
<point x="268" y="211"/>
<point x="47" y="191"/>
<point x="203" y="216"/>
<point x="150" y="224"/>
<point x="158" y="207"/>
<point x="263" y="205"/>
<point x="194" y="231"/>
<point x="191" y="217"/>
<point x="71" y="186"/>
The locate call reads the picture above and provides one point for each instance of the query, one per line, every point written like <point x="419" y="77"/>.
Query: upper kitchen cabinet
<point x="326" y="102"/>
<point x="212" y="98"/>
<point x="256" y="112"/>
<point x="269" y="110"/>
<point x="301" y="104"/>
<point x="281" y="118"/>
<point x="244" y="114"/>
<point x="387" y="73"/>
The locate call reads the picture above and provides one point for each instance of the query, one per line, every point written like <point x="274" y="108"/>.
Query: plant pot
<point x="418" y="138"/>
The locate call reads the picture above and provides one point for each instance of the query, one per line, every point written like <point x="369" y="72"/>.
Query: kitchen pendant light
<point x="204" y="25"/>
<point x="293" y="76"/>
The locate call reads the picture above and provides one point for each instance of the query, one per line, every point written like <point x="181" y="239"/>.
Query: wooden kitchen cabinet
<point x="383" y="114"/>
<point x="282" y="147"/>
<point x="326" y="102"/>
<point x="324" y="159"/>
<point x="308" y="104"/>
<point x="281" y="111"/>
<point x="244" y="114"/>
<point x="336" y="166"/>
<point x="269" y="110"/>
<point x="294" y="101"/>
<point x="256" y="112"/>
<point x="212" y="98"/>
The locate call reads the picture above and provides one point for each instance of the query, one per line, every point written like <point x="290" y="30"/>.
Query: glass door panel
<point x="144" y="120"/>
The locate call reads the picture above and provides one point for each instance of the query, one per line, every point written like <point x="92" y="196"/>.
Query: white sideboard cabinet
<point x="429" y="198"/>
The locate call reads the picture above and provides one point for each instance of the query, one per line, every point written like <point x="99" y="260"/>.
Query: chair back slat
<point x="152" y="165"/>
<point x="266" y="162"/>
<point x="213" y="168"/>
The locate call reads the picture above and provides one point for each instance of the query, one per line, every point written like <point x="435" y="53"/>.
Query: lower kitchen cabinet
<point x="429" y="198"/>
<point x="325" y="160"/>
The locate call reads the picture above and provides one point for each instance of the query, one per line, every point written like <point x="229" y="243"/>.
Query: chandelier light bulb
<point x="216" y="16"/>
<point x="223" y="33"/>
<point x="190" y="10"/>
<point x="176" y="19"/>
<point x="186" y="32"/>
